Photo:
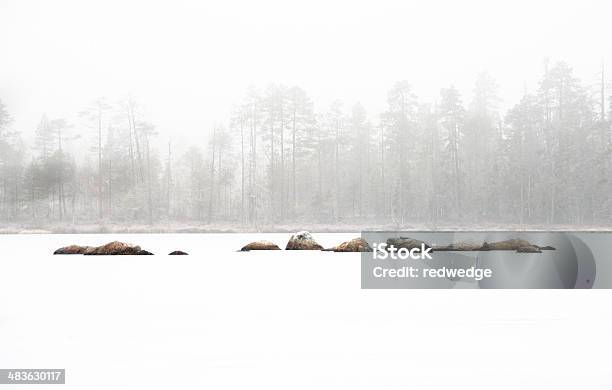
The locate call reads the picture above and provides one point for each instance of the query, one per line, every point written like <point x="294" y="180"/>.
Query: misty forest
<point x="277" y="161"/>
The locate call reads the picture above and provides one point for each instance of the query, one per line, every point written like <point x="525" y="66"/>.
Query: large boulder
<point x="72" y="250"/>
<point x="178" y="253"/>
<point x="117" y="248"/>
<point x="262" y="245"/>
<point x="407" y="243"/>
<point x="354" y="245"/>
<point x="302" y="241"/>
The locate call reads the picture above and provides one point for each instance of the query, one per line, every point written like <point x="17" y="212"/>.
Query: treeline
<point x="277" y="160"/>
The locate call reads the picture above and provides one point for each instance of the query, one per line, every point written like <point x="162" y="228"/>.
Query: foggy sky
<point x="188" y="62"/>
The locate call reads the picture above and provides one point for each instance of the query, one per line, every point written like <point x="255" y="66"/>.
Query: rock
<point x="178" y="253"/>
<point x="529" y="249"/>
<point x="302" y="241"/>
<point x="262" y="245"/>
<point x="547" y="248"/>
<point x="406" y="242"/>
<point x="459" y="246"/>
<point x="112" y="248"/>
<point x="117" y="248"/>
<point x="507" y="245"/>
<point x="354" y="245"/>
<point x="71" y="250"/>
<point x="515" y="244"/>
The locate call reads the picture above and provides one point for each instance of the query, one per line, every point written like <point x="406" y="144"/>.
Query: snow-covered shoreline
<point x="263" y="319"/>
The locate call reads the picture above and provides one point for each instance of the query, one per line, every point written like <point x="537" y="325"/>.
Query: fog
<point x="187" y="62"/>
<point x="186" y="68"/>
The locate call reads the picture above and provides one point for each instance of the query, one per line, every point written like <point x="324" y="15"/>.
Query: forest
<point x="277" y="161"/>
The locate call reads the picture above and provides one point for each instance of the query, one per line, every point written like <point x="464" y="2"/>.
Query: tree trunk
<point x="282" y="158"/>
<point x="131" y="149"/>
<point x="272" y="186"/>
<point x="381" y="192"/>
<point x="99" y="160"/>
<point x="242" y="169"/>
<point x="110" y="187"/>
<point x="293" y="189"/>
<point x="169" y="180"/>
<point x="212" y="177"/>
<point x="336" y="172"/>
<point x="149" y="189"/>
<point x="60" y="185"/>
<point x="253" y="191"/>
<point x="136" y="141"/>
<point x="320" y="166"/>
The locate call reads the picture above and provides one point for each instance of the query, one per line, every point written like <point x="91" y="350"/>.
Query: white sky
<point x="187" y="62"/>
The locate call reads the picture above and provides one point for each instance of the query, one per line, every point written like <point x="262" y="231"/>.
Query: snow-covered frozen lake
<point x="221" y="319"/>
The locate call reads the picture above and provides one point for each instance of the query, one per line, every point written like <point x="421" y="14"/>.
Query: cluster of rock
<point x="303" y="241"/>
<point x="514" y="244"/>
<point x="111" y="249"/>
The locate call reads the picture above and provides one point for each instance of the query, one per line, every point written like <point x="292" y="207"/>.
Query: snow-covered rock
<point x="262" y="245"/>
<point x="112" y="248"/>
<point x="302" y="241"/>
<point x="354" y="245"/>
